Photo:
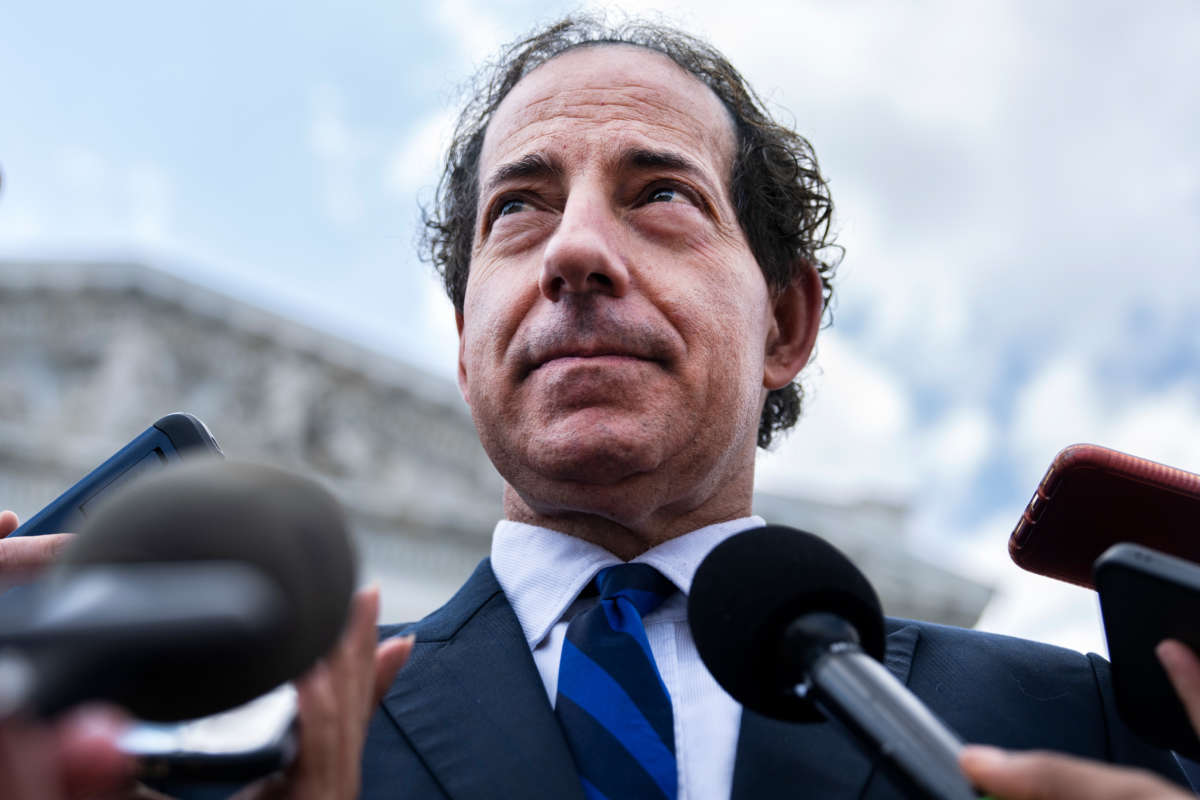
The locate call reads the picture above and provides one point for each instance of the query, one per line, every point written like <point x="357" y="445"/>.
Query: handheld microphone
<point x="792" y="630"/>
<point x="190" y="592"/>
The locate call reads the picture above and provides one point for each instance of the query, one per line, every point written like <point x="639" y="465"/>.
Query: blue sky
<point x="1018" y="192"/>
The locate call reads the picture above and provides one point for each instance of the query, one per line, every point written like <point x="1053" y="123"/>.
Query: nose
<point x="584" y="255"/>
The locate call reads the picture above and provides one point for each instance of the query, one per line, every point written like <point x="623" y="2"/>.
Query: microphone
<point x="190" y="592"/>
<point x="794" y="631"/>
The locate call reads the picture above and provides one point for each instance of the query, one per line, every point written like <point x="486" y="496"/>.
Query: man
<point x="637" y="259"/>
<point x="634" y="252"/>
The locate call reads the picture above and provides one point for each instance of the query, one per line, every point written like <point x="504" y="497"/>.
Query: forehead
<point x="616" y="95"/>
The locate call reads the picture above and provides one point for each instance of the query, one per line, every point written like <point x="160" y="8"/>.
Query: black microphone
<point x="792" y="630"/>
<point x="190" y="592"/>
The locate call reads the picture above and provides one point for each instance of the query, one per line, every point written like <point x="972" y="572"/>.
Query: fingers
<point x="8" y="523"/>
<point x="31" y="552"/>
<point x="360" y="637"/>
<point x="29" y="768"/>
<point x="75" y="757"/>
<point x="1183" y="668"/>
<point x="1047" y="776"/>
<point x="390" y="656"/>
<point x="337" y="698"/>
<point x="316" y="771"/>
<point x="92" y="762"/>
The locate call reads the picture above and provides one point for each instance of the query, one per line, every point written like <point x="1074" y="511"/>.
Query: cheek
<point x="722" y="310"/>
<point x="735" y="324"/>
<point x="496" y="301"/>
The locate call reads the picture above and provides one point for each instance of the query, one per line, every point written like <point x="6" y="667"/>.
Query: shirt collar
<point x="542" y="571"/>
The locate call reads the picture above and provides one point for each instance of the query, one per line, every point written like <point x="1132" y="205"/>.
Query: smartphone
<point x="168" y="439"/>
<point x="1145" y="597"/>
<point x="1093" y="497"/>
<point x="235" y="746"/>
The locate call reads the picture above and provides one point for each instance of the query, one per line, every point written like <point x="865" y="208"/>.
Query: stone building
<point x="91" y="353"/>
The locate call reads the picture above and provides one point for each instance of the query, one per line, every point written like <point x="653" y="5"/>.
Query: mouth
<point x="598" y="358"/>
<point x="596" y="337"/>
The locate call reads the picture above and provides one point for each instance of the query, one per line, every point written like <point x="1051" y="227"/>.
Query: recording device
<point x="169" y="439"/>
<point x="1093" y="497"/>
<point x="1145" y="597"/>
<point x="176" y="557"/>
<point x="188" y="593"/>
<point x="792" y="630"/>
<point x="233" y="746"/>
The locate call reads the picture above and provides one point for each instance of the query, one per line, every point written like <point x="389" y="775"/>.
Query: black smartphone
<point x="1145" y="597"/>
<point x="233" y="747"/>
<point x="169" y="439"/>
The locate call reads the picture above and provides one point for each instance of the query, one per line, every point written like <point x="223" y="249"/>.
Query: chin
<point x="606" y="463"/>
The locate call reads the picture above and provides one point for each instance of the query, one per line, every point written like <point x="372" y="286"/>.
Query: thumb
<point x="1040" y="775"/>
<point x="390" y="656"/>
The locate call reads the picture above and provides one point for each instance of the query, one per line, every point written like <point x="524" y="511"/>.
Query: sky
<point x="1017" y="188"/>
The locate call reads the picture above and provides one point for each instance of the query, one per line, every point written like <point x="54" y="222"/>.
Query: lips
<point x="586" y="330"/>
<point x="588" y="355"/>
<point x="545" y="350"/>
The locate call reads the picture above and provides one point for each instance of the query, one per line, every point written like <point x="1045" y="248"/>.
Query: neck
<point x="625" y="532"/>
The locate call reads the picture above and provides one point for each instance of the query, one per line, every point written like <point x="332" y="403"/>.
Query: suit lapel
<point x="473" y="706"/>
<point x="785" y="759"/>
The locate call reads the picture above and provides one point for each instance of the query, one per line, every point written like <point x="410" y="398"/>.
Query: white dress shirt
<point x="543" y="573"/>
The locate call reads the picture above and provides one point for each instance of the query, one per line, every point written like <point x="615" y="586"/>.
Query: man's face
<point x="615" y="342"/>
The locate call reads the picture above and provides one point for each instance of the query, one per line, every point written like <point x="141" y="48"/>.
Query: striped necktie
<point x="612" y="703"/>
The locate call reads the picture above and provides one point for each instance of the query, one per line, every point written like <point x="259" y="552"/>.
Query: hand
<point x="27" y="554"/>
<point x="74" y="757"/>
<point x="1038" y="775"/>
<point x="337" y="698"/>
<point x="1050" y="776"/>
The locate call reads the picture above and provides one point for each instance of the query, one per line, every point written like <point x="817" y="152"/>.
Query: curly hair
<point x="782" y="202"/>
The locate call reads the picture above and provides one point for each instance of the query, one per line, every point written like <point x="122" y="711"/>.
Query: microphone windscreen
<point x="750" y="588"/>
<point x="289" y="528"/>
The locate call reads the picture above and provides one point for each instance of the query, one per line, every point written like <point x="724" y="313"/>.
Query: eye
<point x="664" y="194"/>
<point x="511" y="206"/>
<point x="669" y="192"/>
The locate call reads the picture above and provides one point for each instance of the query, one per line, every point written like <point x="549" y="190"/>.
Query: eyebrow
<point x="533" y="165"/>
<point x="640" y="158"/>
<point x="537" y="165"/>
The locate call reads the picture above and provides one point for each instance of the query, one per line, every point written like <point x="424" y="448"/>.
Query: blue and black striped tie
<point x="612" y="703"/>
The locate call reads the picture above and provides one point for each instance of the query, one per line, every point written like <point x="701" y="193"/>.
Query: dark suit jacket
<point x="468" y="717"/>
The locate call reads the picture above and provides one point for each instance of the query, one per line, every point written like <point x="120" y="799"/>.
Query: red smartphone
<point x="1093" y="497"/>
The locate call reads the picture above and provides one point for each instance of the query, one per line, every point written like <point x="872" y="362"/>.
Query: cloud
<point x="854" y="406"/>
<point x="413" y="165"/>
<point x="475" y="32"/>
<point x="1023" y="604"/>
<point x="87" y="201"/>
<point x="21" y="227"/>
<point x="340" y="153"/>
<point x="439" y="336"/>
<point x="150" y="195"/>
<point x="958" y="444"/>
<point x="1039" y="608"/>
<point x="1066" y="402"/>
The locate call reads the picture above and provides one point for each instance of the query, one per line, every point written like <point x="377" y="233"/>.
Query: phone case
<point x="170" y="438"/>
<point x="1145" y="597"/>
<point x="1093" y="497"/>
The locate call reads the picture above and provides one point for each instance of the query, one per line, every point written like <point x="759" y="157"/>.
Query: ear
<point x="462" y="367"/>
<point x="795" y="320"/>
